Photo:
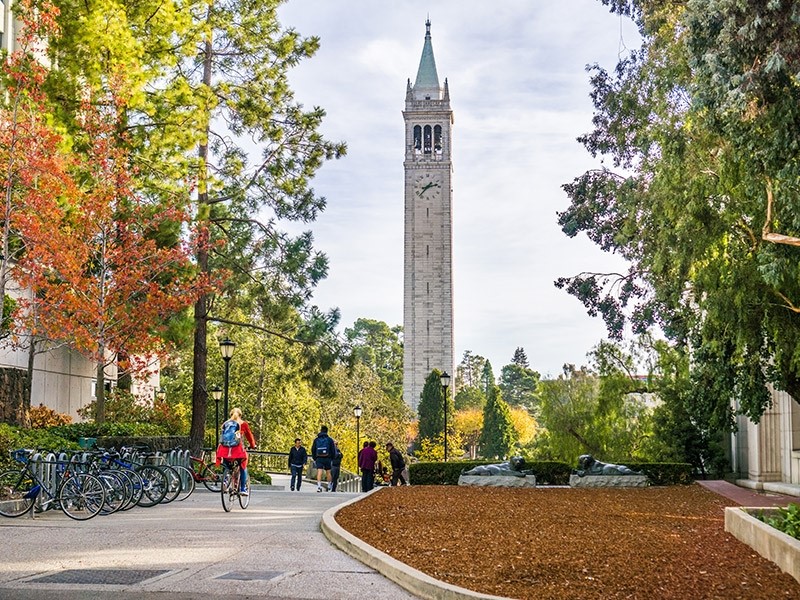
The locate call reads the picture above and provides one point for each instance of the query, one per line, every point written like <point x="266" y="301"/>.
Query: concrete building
<point x="766" y="455"/>
<point x="428" y="241"/>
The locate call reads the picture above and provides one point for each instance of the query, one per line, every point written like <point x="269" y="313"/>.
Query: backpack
<point x="230" y="434"/>
<point x="324" y="447"/>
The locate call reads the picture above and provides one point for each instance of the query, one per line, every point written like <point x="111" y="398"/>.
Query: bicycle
<point x="205" y="474"/>
<point x="80" y="496"/>
<point x="230" y="485"/>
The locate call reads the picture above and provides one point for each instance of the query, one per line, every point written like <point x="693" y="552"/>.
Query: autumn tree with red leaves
<point x="92" y="250"/>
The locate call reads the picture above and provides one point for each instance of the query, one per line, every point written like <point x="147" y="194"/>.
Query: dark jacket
<point x="336" y="461"/>
<point x="321" y="435"/>
<point x="396" y="460"/>
<point x="298" y="456"/>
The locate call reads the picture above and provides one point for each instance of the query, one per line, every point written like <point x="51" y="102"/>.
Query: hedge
<point x="546" y="472"/>
<point x="439" y="473"/>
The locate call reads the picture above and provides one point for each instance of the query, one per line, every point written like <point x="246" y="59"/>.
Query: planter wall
<point x="774" y="545"/>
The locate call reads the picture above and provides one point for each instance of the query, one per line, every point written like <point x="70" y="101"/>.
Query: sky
<point x="520" y="95"/>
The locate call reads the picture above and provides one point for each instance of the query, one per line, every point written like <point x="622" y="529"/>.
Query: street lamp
<point x="445" y="379"/>
<point x="216" y="396"/>
<point x="357" y="413"/>
<point x="161" y="394"/>
<point x="226" y="347"/>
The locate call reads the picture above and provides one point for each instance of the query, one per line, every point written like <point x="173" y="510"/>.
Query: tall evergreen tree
<point x="520" y="358"/>
<point x="431" y="408"/>
<point x="487" y="379"/>
<point x="498" y="435"/>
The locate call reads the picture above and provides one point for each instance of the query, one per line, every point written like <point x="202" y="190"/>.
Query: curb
<point x="411" y="579"/>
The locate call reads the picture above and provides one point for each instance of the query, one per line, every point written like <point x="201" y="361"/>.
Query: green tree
<point x="487" y="379"/>
<point x="469" y="383"/>
<point x="567" y="408"/>
<point x="378" y="346"/>
<point x="700" y="125"/>
<point x="520" y="358"/>
<point x="215" y="112"/>
<point x="498" y="434"/>
<point x="431" y="408"/>
<point x="518" y="381"/>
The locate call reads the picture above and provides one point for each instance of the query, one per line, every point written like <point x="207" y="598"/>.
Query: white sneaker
<point x="319" y="488"/>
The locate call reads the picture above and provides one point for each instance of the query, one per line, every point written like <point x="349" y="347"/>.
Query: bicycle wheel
<point x="227" y="490"/>
<point x="136" y="486"/>
<point x="81" y="496"/>
<point x="18" y="492"/>
<point x="174" y="484"/>
<point x="211" y="477"/>
<point x="187" y="482"/>
<point x="154" y="485"/>
<point x="117" y="492"/>
<point x="244" y="499"/>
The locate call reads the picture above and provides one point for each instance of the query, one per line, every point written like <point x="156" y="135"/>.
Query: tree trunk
<point x="200" y="349"/>
<point x="100" y="391"/>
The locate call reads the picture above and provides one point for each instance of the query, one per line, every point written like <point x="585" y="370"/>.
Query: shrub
<point x="786" y="520"/>
<point x="440" y="473"/>
<point x="546" y="472"/>
<point x="13" y="438"/>
<point x="258" y="476"/>
<point x="75" y="431"/>
<point x="664" y="473"/>
<point x="43" y="417"/>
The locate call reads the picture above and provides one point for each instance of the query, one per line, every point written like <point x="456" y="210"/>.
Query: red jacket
<point x="238" y="451"/>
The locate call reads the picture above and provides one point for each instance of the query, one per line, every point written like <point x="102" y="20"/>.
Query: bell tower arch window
<point x="417" y="139"/>
<point x="427" y="139"/>
<point x="437" y="139"/>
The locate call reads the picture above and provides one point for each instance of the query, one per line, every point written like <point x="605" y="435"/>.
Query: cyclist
<point x="231" y="447"/>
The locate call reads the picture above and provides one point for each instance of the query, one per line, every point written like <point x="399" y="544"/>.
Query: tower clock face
<point x="427" y="185"/>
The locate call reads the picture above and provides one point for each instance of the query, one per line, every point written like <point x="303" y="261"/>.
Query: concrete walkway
<point x="188" y="550"/>
<point x="744" y="496"/>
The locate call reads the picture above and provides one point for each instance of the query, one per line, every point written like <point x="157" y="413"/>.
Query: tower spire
<point x="426" y="85"/>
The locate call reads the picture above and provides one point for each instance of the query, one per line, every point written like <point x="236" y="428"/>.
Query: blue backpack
<point x="324" y="447"/>
<point x="229" y="437"/>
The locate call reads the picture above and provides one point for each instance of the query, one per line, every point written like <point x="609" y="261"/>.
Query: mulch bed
<point x="559" y="543"/>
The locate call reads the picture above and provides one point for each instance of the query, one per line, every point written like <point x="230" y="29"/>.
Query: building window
<point x="437" y="139"/>
<point x="427" y="140"/>
<point x="417" y="139"/>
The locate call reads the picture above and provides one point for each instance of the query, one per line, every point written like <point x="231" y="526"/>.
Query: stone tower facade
<point x="428" y="241"/>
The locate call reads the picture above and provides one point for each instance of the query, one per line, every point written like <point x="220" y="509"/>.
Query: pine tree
<point x="487" y="378"/>
<point x="431" y="409"/>
<point x="498" y="435"/>
<point x="520" y="358"/>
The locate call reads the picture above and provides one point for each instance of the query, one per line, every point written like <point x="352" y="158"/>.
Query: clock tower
<point x="428" y="241"/>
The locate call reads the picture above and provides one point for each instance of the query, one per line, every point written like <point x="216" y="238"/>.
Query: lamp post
<point x="357" y="414"/>
<point x="226" y="347"/>
<point x="445" y="379"/>
<point x="161" y="394"/>
<point x="216" y="396"/>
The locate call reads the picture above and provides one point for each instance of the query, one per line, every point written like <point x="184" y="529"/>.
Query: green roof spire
<point x="427" y="83"/>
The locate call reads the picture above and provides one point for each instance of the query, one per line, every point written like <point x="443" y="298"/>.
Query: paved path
<point x="187" y="551"/>
<point x="746" y="497"/>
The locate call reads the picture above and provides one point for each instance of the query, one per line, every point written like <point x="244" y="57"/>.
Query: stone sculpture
<point x="511" y="468"/>
<point x="587" y="465"/>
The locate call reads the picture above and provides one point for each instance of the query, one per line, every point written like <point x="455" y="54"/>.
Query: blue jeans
<point x="297" y="476"/>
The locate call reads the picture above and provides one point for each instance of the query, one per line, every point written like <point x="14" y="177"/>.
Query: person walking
<point x="231" y="448"/>
<point x="336" y="468"/>
<point x="297" y="462"/>
<point x="367" y="458"/>
<point x="398" y="464"/>
<point x="322" y="451"/>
